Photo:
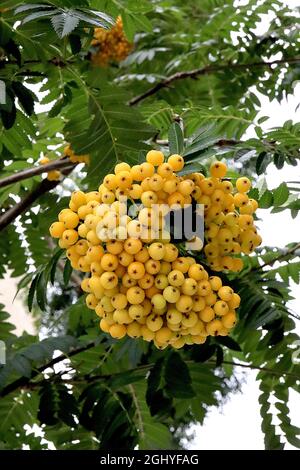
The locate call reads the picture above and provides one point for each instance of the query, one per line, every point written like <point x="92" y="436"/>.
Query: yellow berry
<point x="240" y="199"/>
<point x="196" y="272"/>
<point x="134" y="330"/>
<point x="154" y="322"/>
<point x="132" y="246"/>
<point x="221" y="308"/>
<point x="198" y="303"/>
<point x="225" y="293"/>
<point x="207" y="314"/>
<point x="156" y="251"/>
<point x="135" y="295"/>
<point x="122" y="317"/>
<point x="155" y="157"/>
<point x="122" y="167"/>
<point x="189" y="319"/>
<point x="218" y="169"/>
<point x="69" y="218"/>
<point x="136" y="270"/>
<point x="110" y="181"/>
<point x="235" y="301"/>
<point x="104" y="325"/>
<point x="125" y="258"/>
<point x="165" y="170"/>
<point x="184" y="304"/>
<point x="119" y="301"/>
<point x="214" y="327"/>
<point x="70" y="236"/>
<point x="176" y="278"/>
<point x="163" y="335"/>
<point x="109" y="262"/>
<point x="171" y="294"/>
<point x="176" y="162"/>
<point x="189" y="286"/>
<point x="158" y="301"/>
<point x="57" y="229"/>
<point x="243" y="185"/>
<point x="147" y="169"/>
<point x="117" y="331"/>
<point x="109" y="280"/>
<point x="91" y="301"/>
<point x="204" y="288"/>
<point x="229" y="320"/>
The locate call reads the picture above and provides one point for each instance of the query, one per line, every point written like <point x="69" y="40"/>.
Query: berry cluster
<point x="53" y="175"/>
<point x="110" y="45"/>
<point x="228" y="216"/>
<point x="138" y="283"/>
<point x="68" y="152"/>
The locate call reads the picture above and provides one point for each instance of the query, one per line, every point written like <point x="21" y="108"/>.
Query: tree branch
<point x="280" y="257"/>
<point x="166" y="82"/>
<point x="44" y="187"/>
<point x="29" y="172"/>
<point x="24" y="381"/>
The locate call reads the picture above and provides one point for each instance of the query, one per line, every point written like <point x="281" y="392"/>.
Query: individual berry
<point x="156" y="251"/>
<point x="174" y="316"/>
<point x="176" y="278"/>
<point x="165" y="170"/>
<point x="158" y="301"/>
<point x="171" y="294"/>
<point x="146" y="281"/>
<point x="134" y="330"/>
<point x="155" y="157"/>
<point x="214" y="327"/>
<point x="161" y="281"/>
<point x="207" y="314"/>
<point x="117" y="331"/>
<point x="91" y="301"/>
<point x="147" y="170"/>
<point x="121" y="167"/>
<point x="57" y="229"/>
<point x="225" y="293"/>
<point x="218" y="169"/>
<point x="148" y="198"/>
<point x="163" y="335"/>
<point x="184" y="304"/>
<point x="154" y="322"/>
<point x="229" y="320"/>
<point x="196" y="272"/>
<point x="176" y="162"/>
<point x="70" y="236"/>
<point x="189" y="319"/>
<point x="136" y="311"/>
<point x="221" y="308"/>
<point x="152" y="266"/>
<point x="109" y="262"/>
<point x="181" y="264"/>
<point x="189" y="287"/>
<point x="243" y="185"/>
<point x="125" y="258"/>
<point x="136" y="270"/>
<point x="135" y="295"/>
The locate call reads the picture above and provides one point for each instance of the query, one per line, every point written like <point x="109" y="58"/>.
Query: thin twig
<point x="24" y="381"/>
<point x="280" y="257"/>
<point x="34" y="171"/>
<point x="44" y="187"/>
<point x="166" y="82"/>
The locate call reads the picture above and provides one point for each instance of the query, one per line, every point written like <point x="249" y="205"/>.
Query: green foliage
<point x="191" y="90"/>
